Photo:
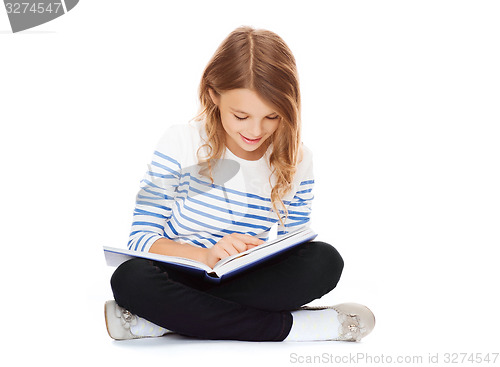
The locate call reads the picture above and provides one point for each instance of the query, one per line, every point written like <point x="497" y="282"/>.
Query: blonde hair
<point x="258" y="60"/>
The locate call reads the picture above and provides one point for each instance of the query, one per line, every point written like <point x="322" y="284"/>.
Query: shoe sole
<point x="106" y="317"/>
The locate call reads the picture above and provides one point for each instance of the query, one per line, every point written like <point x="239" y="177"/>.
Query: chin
<point x="252" y="148"/>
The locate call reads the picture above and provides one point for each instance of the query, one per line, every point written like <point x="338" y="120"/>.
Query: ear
<point x="214" y="96"/>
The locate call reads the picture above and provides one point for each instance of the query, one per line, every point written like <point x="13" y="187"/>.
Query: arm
<point x="156" y="197"/>
<point x="164" y="246"/>
<point x="229" y="245"/>
<point x="300" y="206"/>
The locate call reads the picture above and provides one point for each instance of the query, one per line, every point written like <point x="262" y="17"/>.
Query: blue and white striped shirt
<point x="176" y="202"/>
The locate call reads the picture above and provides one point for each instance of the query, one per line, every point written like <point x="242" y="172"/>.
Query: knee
<point x="329" y="263"/>
<point x="126" y="279"/>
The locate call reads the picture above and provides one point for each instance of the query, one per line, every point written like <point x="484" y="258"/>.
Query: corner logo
<point x="27" y="14"/>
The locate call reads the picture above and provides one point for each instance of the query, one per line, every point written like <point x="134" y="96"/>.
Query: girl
<point x="215" y="188"/>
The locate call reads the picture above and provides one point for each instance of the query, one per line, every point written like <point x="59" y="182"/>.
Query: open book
<point x="225" y="268"/>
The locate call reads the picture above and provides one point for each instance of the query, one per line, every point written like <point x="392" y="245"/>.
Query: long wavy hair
<point x="261" y="61"/>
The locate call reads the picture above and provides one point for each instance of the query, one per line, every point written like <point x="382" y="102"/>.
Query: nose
<point x="255" y="129"/>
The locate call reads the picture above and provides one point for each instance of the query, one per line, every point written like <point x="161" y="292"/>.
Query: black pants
<point x="253" y="306"/>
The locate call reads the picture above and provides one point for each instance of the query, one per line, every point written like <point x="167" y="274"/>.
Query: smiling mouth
<point x="250" y="141"/>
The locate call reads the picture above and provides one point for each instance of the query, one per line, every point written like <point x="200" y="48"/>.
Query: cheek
<point x="274" y="126"/>
<point x="228" y="124"/>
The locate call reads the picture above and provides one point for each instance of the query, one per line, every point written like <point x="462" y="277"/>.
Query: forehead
<point x="246" y="101"/>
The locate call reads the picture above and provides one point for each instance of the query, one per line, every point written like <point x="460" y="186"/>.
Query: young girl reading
<point x="190" y="206"/>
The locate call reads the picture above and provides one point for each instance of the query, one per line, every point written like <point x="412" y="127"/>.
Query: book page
<point x="259" y="247"/>
<point x="115" y="256"/>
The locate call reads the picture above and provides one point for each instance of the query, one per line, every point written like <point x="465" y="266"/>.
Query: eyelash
<point x="244" y="118"/>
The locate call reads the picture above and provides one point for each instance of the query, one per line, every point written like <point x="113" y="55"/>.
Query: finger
<point x="226" y="243"/>
<point x="221" y="252"/>
<point x="239" y="245"/>
<point x="249" y="240"/>
<point x="234" y="242"/>
<point x="232" y="247"/>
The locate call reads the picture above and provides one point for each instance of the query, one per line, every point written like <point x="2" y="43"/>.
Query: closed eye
<point x="268" y="117"/>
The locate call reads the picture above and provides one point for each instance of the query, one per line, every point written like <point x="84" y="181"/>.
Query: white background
<point x="400" y="108"/>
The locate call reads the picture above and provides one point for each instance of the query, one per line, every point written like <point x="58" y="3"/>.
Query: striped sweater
<point x="176" y="202"/>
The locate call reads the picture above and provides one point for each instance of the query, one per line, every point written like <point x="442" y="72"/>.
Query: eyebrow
<point x="246" y="113"/>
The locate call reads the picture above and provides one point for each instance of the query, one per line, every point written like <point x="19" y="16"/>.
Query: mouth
<point x="250" y="141"/>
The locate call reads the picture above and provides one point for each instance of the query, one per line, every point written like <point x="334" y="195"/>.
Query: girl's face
<point x="248" y="121"/>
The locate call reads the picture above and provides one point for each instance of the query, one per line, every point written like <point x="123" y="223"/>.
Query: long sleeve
<point x="158" y="188"/>
<point x="300" y="206"/>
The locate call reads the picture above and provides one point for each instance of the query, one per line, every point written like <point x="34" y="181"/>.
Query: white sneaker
<point x="120" y="322"/>
<point x="356" y="321"/>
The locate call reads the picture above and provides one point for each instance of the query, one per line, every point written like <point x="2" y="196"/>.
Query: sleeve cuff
<point x="147" y="242"/>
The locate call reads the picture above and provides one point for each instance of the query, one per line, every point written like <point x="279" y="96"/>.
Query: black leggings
<point x="252" y="306"/>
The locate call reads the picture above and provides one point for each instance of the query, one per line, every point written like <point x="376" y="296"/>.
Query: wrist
<point x="201" y="254"/>
<point x="164" y="246"/>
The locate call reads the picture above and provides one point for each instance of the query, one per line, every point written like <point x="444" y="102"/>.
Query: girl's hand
<point x="229" y="245"/>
